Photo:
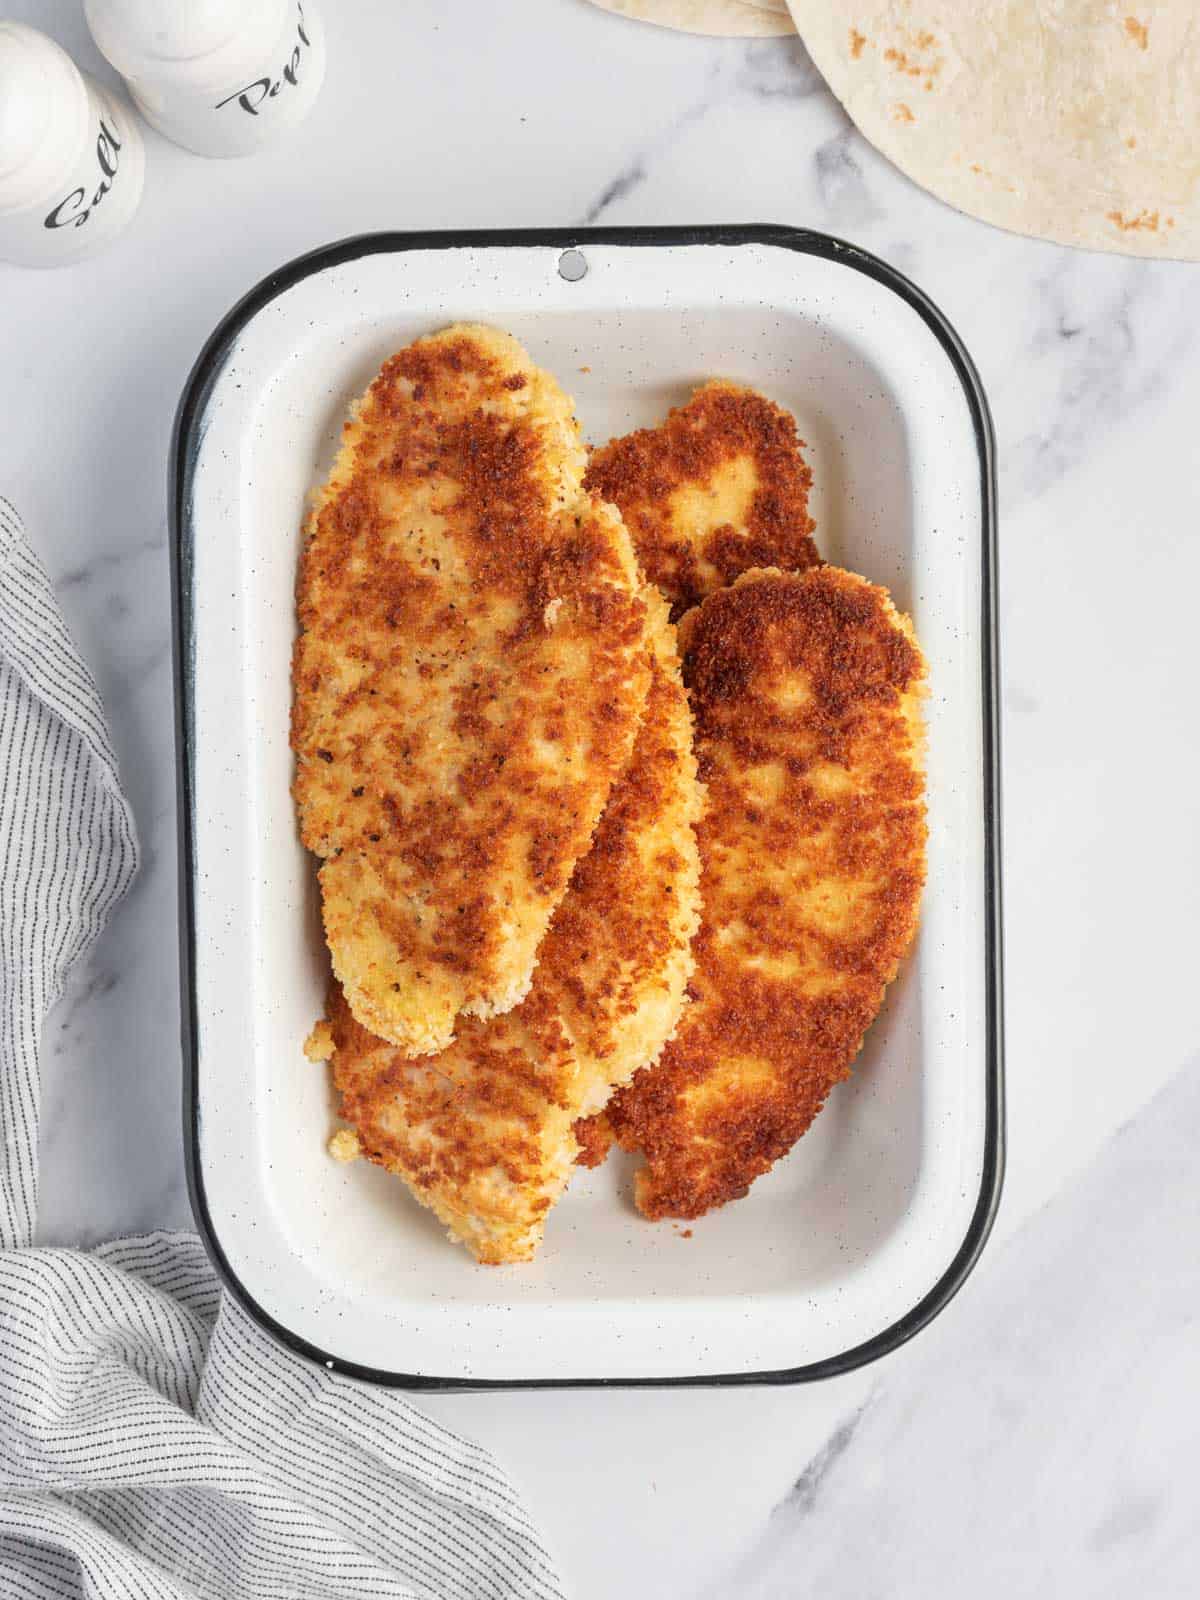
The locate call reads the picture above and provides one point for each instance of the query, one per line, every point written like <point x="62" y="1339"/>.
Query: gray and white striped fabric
<point x="155" y="1444"/>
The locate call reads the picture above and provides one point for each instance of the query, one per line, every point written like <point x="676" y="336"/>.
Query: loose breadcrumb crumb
<point x="319" y="1044"/>
<point x="344" y="1145"/>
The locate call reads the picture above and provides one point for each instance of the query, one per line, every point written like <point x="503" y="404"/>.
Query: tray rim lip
<point x="184" y="449"/>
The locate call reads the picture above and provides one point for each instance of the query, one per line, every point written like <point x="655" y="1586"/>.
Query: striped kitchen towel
<point x="155" y="1444"/>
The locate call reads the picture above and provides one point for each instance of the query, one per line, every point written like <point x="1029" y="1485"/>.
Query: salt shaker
<point x="71" y="155"/>
<point x="220" y="77"/>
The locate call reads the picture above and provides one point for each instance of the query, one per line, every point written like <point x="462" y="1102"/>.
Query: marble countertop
<point x="1040" y="1438"/>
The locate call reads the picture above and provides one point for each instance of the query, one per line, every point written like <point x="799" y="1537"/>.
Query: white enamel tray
<point x="860" y="1236"/>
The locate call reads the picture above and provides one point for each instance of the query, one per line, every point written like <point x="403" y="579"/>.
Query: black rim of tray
<point x="184" y="454"/>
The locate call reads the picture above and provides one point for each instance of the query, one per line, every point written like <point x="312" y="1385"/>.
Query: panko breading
<point x="719" y="487"/>
<point x="482" y="1133"/>
<point x="806" y="692"/>
<point x="467" y="682"/>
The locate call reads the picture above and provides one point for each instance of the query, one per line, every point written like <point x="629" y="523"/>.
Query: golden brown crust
<point x="719" y="487"/>
<point x="805" y="691"/>
<point x="468" y="679"/>
<point x="594" y="1136"/>
<point x="483" y="1132"/>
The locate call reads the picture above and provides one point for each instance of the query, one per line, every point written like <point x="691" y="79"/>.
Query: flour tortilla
<point x="1071" y="120"/>
<point x="743" y="19"/>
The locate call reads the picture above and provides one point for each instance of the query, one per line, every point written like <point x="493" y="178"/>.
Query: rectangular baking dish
<point x="857" y="1239"/>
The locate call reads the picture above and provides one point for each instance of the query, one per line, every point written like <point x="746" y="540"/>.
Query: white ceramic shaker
<point x="220" y="77"/>
<point x="71" y="156"/>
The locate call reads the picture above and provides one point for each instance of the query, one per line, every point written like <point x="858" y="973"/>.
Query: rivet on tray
<point x="572" y="265"/>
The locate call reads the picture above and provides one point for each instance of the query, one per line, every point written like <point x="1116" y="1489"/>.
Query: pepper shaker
<point x="71" y="156"/>
<point x="220" y="77"/>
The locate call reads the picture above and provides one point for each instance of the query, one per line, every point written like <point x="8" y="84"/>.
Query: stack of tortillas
<point x="1072" y="120"/>
<point x="746" y="19"/>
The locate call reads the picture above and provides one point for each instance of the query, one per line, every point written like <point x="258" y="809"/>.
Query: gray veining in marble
<point x="1065" y="1394"/>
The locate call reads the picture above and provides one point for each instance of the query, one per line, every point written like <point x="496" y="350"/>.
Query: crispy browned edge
<point x="722" y="421"/>
<point x="503" y="517"/>
<point x="518" y="1064"/>
<point x="867" y="674"/>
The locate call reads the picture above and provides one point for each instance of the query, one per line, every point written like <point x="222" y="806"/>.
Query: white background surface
<point x="1042" y="1437"/>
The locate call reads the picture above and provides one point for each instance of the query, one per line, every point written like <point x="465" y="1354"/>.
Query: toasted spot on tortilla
<point x="1141" y="222"/>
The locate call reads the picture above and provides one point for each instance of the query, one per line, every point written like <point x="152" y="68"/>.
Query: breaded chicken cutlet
<point x="483" y="1132"/>
<point x="806" y="691"/>
<point x="468" y="680"/>
<point x="719" y="487"/>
